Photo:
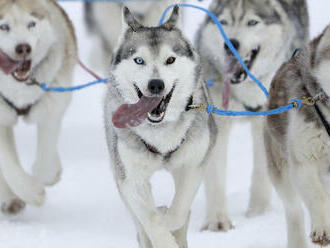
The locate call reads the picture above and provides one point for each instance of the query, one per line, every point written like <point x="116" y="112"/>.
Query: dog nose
<point x="235" y="44"/>
<point x="156" y="86"/>
<point x="23" y="50"/>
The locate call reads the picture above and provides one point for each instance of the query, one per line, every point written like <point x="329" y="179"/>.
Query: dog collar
<point x="321" y="97"/>
<point x="19" y="111"/>
<point x="154" y="150"/>
<point x="190" y="104"/>
<point x="322" y="118"/>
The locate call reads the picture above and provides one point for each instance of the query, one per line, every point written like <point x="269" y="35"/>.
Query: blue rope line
<point x="74" y="88"/>
<point x="229" y="44"/>
<point x="296" y="104"/>
<point x="211" y="82"/>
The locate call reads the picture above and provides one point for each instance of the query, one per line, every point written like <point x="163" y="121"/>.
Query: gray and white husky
<point x="150" y="126"/>
<point x="265" y="33"/>
<point x="298" y="142"/>
<point x="105" y="22"/>
<point x="37" y="44"/>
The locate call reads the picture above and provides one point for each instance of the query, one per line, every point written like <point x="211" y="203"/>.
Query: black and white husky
<point x="298" y="142"/>
<point x="265" y="33"/>
<point x="149" y="126"/>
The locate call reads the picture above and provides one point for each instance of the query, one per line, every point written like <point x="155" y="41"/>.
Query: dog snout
<point x="235" y="44"/>
<point x="23" y="50"/>
<point x="156" y="86"/>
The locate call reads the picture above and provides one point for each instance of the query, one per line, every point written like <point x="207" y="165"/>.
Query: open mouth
<point x="157" y="115"/>
<point x="22" y="73"/>
<point x="238" y="74"/>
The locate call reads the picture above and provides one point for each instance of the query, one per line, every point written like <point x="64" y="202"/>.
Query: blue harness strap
<point x="44" y="87"/>
<point x="295" y="104"/>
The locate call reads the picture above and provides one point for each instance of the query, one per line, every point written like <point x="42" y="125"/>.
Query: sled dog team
<point x="156" y="77"/>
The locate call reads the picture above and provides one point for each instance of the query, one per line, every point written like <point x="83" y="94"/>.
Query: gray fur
<point x="293" y="148"/>
<point x="155" y="38"/>
<point x="266" y="33"/>
<point x="181" y="132"/>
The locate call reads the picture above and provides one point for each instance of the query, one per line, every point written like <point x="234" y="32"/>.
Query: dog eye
<point x="139" y="61"/>
<point x="32" y="24"/>
<point x="252" y="22"/>
<point x="224" y="22"/>
<point x="170" y="60"/>
<point x="4" y="27"/>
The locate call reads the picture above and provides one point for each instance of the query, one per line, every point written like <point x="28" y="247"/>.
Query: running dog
<point x="265" y="33"/>
<point x="150" y="125"/>
<point x="37" y="45"/>
<point x="298" y="142"/>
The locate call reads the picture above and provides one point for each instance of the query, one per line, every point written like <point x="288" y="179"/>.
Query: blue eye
<point x="32" y="24"/>
<point x="139" y="61"/>
<point x="252" y="22"/>
<point x="224" y="22"/>
<point x="4" y="27"/>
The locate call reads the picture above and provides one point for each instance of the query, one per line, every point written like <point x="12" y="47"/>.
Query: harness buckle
<point x="309" y="101"/>
<point x="33" y="82"/>
<point x="199" y="107"/>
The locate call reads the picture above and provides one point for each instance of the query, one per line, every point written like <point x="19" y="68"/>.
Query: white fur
<point x="273" y="41"/>
<point x="51" y="41"/>
<point x="158" y="228"/>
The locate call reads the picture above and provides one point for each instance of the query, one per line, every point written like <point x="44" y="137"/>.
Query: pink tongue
<point x="226" y="93"/>
<point x="230" y="66"/>
<point x="7" y="65"/>
<point x="132" y="115"/>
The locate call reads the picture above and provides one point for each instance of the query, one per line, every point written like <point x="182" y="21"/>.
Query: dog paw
<point x="48" y="175"/>
<point x="321" y="237"/>
<point x="218" y="226"/>
<point x="28" y="189"/>
<point x="13" y="207"/>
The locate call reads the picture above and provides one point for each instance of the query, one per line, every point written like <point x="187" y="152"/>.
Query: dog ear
<point x="324" y="43"/>
<point x="129" y="20"/>
<point x="174" y="18"/>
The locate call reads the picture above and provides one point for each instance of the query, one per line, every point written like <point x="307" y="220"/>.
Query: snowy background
<point x="84" y="210"/>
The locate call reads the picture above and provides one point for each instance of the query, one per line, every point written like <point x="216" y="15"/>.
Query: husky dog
<point x="298" y="142"/>
<point x="104" y="21"/>
<point x="150" y="126"/>
<point x="37" y="44"/>
<point x="265" y="33"/>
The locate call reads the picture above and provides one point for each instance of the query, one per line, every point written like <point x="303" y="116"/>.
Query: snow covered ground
<point x="84" y="209"/>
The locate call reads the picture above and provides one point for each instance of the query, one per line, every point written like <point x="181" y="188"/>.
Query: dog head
<point x="260" y="31"/>
<point x="25" y="34"/>
<point x="155" y="62"/>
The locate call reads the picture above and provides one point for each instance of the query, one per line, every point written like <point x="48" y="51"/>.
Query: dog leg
<point x="48" y="114"/>
<point x="10" y="203"/>
<point x="215" y="183"/>
<point x="23" y="185"/>
<point x="260" y="190"/>
<point x="187" y="181"/>
<point x="279" y="173"/>
<point x="316" y="199"/>
<point x="181" y="234"/>
<point x="47" y="167"/>
<point x="142" y="237"/>
<point x="137" y="194"/>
